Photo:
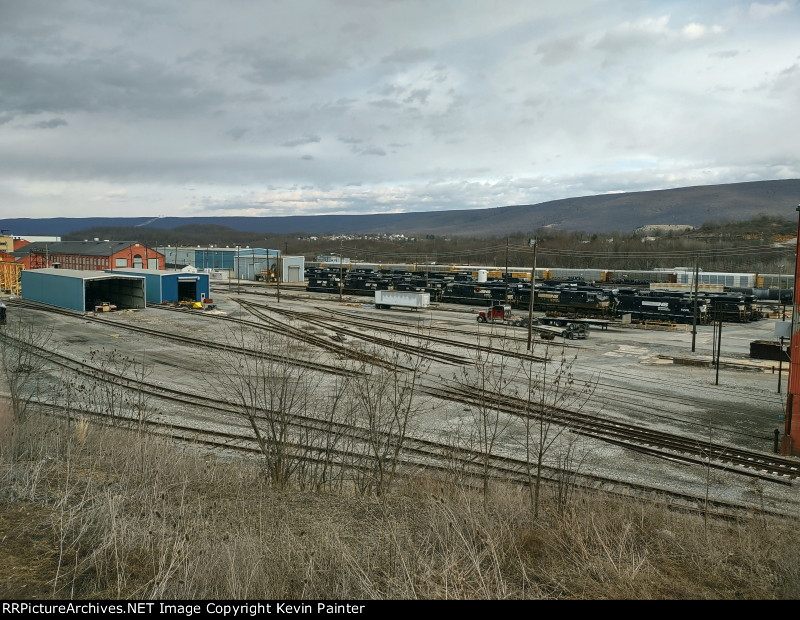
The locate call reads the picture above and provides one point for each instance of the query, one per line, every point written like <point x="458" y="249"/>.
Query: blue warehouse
<point x="82" y="290"/>
<point x="164" y="286"/>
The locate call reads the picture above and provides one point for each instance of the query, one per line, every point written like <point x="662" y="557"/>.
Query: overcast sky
<point x="303" y="107"/>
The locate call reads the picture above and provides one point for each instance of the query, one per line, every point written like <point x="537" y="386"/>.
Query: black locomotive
<point x="564" y="297"/>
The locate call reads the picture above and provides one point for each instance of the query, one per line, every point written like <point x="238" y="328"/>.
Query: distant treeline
<point x="710" y="245"/>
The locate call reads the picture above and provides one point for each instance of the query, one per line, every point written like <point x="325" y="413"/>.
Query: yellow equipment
<point x="10" y="277"/>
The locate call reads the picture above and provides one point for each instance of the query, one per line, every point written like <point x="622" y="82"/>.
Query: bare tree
<point x="113" y="387"/>
<point x="386" y="402"/>
<point x="551" y="389"/>
<point x="487" y="378"/>
<point x="324" y="441"/>
<point x="23" y="349"/>
<point x="290" y="408"/>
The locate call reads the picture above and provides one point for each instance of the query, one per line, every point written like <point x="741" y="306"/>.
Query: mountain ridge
<point x="624" y="212"/>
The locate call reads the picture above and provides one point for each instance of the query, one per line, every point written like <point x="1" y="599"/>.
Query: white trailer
<point x="403" y="299"/>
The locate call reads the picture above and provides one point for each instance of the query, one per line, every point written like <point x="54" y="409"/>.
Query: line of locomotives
<point x="559" y="297"/>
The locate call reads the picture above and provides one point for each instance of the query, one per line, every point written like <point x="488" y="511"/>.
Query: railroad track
<point x="471" y="470"/>
<point x="283" y="327"/>
<point x="447" y="330"/>
<point x="654" y="442"/>
<point x="321" y="320"/>
<point x="272" y="325"/>
<point x="186" y="340"/>
<point x="418" y="453"/>
<point x="429" y="454"/>
<point x="355" y="353"/>
<point x="501" y="469"/>
<point x="421" y="351"/>
<point x="681" y="448"/>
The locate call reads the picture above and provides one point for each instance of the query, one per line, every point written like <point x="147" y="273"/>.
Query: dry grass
<point x="113" y="514"/>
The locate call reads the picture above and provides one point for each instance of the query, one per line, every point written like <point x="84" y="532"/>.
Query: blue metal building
<point x="82" y="290"/>
<point x="164" y="286"/>
<point x="230" y="258"/>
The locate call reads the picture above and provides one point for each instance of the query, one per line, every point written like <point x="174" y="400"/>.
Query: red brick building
<point x="91" y="255"/>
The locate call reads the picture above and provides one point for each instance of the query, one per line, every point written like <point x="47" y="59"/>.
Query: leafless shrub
<point x="488" y="377"/>
<point x="385" y="403"/>
<point x="291" y="410"/>
<point x="22" y="363"/>
<point x="191" y="526"/>
<point x="106" y="388"/>
<point x="550" y="388"/>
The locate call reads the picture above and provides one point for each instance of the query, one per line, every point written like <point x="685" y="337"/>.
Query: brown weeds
<point x="124" y="515"/>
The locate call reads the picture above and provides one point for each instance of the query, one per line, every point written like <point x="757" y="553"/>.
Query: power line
<point x="579" y="253"/>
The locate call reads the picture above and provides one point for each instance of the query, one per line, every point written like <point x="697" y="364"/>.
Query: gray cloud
<point x="50" y="124"/>
<point x="117" y="82"/>
<point x="725" y="54"/>
<point x="264" y="64"/>
<point x="408" y="55"/>
<point x="426" y="105"/>
<point x="385" y="103"/>
<point x="372" y="150"/>
<point x="236" y="132"/>
<point x="301" y="141"/>
<point x="559" y="50"/>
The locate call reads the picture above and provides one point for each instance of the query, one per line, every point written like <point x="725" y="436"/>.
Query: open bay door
<point x="187" y="288"/>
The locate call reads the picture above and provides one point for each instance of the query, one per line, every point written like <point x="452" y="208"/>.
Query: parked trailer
<point x="402" y="299"/>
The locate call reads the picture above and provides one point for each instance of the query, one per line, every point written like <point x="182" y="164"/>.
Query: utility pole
<point x="714" y="338"/>
<point x="533" y="295"/>
<point x="719" y="347"/>
<point x="780" y="297"/>
<point x="694" y="312"/>
<point x="341" y="276"/>
<point x="506" y="278"/>
<point x="238" y="273"/>
<point x="279" y="270"/>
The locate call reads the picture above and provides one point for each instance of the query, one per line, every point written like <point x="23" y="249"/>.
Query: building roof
<point x="83" y="274"/>
<point x="79" y="248"/>
<point x="242" y="251"/>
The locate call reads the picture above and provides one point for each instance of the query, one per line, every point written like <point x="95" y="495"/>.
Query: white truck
<point x="402" y="299"/>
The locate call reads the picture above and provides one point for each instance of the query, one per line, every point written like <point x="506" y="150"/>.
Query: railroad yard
<point x="629" y="410"/>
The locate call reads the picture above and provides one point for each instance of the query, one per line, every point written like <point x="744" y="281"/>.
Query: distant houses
<point x="651" y="229"/>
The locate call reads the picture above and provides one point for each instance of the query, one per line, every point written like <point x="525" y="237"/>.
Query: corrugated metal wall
<point x="162" y="287"/>
<point x="55" y="290"/>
